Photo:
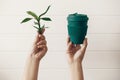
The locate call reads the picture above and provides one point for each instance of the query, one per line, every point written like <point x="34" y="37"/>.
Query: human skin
<point x="34" y="59"/>
<point x="75" y="55"/>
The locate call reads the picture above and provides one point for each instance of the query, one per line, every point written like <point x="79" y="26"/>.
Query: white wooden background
<point x="102" y="59"/>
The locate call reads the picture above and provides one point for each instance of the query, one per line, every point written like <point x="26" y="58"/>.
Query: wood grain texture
<point x="102" y="59"/>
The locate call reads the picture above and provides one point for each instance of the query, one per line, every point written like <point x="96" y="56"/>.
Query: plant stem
<point x="39" y="30"/>
<point x="39" y="24"/>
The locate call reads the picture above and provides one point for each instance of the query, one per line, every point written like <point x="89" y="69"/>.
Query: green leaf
<point x="43" y="26"/>
<point x="45" y="11"/>
<point x="35" y="27"/>
<point x="46" y="19"/>
<point x="32" y="14"/>
<point x="26" y="20"/>
<point x="36" y="23"/>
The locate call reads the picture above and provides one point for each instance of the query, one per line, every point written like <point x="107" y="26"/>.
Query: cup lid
<point x="77" y="17"/>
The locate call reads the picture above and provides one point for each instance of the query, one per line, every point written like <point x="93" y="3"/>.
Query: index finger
<point x="85" y="43"/>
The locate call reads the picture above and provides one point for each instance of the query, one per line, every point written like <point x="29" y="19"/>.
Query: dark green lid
<point x="77" y="17"/>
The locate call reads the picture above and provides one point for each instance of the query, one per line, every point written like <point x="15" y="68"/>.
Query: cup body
<point x="77" y="27"/>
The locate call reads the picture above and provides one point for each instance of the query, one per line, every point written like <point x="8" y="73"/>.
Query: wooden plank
<point x="96" y="25"/>
<point x="102" y="60"/>
<point x="61" y="74"/>
<point x="58" y="60"/>
<point x="104" y="7"/>
<point x="58" y="42"/>
<point x="102" y="74"/>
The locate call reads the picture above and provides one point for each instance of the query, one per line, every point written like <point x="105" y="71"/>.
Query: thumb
<point x="84" y="45"/>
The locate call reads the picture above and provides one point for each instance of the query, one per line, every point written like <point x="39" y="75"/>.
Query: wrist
<point x="73" y="61"/>
<point x="33" y="59"/>
<point x="76" y="70"/>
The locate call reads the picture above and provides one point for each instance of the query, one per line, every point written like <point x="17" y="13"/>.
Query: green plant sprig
<point x="37" y="23"/>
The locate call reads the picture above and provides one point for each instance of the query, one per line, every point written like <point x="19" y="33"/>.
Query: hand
<point x="40" y="47"/>
<point x="76" y="52"/>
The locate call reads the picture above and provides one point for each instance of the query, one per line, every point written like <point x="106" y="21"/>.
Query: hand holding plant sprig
<point x="37" y="19"/>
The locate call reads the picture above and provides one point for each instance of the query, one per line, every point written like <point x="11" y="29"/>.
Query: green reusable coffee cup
<point x="77" y="27"/>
